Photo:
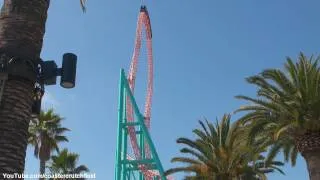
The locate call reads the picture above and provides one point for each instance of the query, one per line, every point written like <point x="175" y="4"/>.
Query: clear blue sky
<point x="203" y="50"/>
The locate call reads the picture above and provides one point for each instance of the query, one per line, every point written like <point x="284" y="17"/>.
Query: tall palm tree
<point x="287" y="111"/>
<point x="45" y="134"/>
<point x="220" y="151"/>
<point x="22" y="30"/>
<point x="66" y="163"/>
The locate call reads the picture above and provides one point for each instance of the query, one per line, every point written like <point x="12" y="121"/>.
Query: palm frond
<point x="83" y="5"/>
<point x="222" y="150"/>
<point x="287" y="104"/>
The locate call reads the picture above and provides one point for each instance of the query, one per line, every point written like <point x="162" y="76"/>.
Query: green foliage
<point x="45" y="133"/>
<point x="66" y="163"/>
<point x="220" y="151"/>
<point x="287" y="105"/>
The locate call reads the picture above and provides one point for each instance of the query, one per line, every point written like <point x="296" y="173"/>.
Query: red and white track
<point x="142" y="24"/>
<point x="150" y="173"/>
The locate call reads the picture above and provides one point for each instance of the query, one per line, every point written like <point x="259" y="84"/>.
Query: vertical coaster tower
<point x="143" y="163"/>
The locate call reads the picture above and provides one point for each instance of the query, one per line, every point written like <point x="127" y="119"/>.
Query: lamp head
<point x="68" y="70"/>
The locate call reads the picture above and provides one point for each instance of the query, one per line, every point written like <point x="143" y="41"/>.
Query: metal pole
<point x="120" y="125"/>
<point x="125" y="129"/>
<point x="141" y="143"/>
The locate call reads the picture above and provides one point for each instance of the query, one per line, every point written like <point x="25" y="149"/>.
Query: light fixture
<point x="67" y="72"/>
<point x="47" y="75"/>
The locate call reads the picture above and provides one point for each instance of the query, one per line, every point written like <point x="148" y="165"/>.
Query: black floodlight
<point x="68" y="71"/>
<point x="50" y="71"/>
<point x="46" y="74"/>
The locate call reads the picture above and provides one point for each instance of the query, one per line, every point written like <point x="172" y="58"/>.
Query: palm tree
<point x="66" y="163"/>
<point x="220" y="151"/>
<point x="45" y="134"/>
<point x="287" y="111"/>
<point x="22" y="29"/>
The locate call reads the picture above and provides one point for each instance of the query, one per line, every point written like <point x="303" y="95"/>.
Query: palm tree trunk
<point x="42" y="168"/>
<point x="14" y="111"/>
<point x="313" y="164"/>
<point x="22" y="29"/>
<point x="309" y="146"/>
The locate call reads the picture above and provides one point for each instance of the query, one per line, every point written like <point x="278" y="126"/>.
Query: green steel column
<point x="145" y="132"/>
<point x="120" y="119"/>
<point x="124" y="170"/>
<point x="141" y="144"/>
<point x="125" y="137"/>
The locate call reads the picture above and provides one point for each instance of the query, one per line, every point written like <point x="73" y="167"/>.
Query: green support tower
<point x="129" y="168"/>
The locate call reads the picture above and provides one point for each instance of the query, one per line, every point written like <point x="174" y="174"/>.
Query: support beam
<point x="127" y="168"/>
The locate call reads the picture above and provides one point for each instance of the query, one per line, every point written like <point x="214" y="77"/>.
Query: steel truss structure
<point x="145" y="168"/>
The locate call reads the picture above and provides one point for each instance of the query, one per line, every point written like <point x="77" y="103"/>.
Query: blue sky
<point x="203" y="50"/>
